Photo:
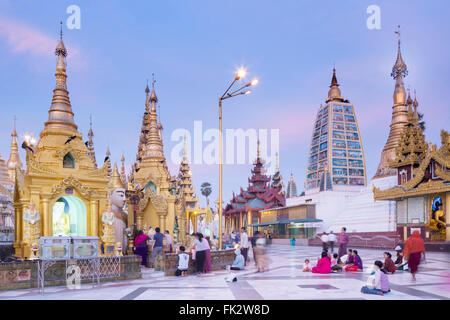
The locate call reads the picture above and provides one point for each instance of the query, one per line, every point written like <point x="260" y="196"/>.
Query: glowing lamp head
<point x="254" y="82"/>
<point x="241" y="73"/>
<point x="247" y="92"/>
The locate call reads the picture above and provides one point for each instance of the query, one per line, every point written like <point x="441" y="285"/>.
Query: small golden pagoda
<point x="159" y="205"/>
<point x="193" y="210"/>
<point x="61" y="192"/>
<point x="423" y="192"/>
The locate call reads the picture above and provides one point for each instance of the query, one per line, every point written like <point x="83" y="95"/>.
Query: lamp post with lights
<point x="242" y="90"/>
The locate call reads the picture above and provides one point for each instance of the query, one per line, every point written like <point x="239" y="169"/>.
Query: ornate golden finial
<point x="409" y="104"/>
<point x="400" y="69"/>
<point x="153" y="97"/>
<point x="334" y="93"/>
<point x="115" y="182"/>
<point x="14" y="157"/>
<point x="90" y="143"/>
<point x="334" y="82"/>
<point x="416" y="105"/>
<point x="147" y="99"/>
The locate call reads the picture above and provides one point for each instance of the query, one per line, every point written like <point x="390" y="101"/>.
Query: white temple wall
<point x="357" y="211"/>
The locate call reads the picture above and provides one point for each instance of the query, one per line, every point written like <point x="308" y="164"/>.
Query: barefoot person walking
<point x="414" y="247"/>
<point x="343" y="241"/>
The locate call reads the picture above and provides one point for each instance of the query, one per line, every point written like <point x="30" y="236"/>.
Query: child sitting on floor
<point x="336" y="263"/>
<point x="307" y="266"/>
<point x="378" y="282"/>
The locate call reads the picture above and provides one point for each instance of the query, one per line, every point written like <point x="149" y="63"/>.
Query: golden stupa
<point x="61" y="191"/>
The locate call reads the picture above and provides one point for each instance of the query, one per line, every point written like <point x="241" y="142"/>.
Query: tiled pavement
<point x="285" y="280"/>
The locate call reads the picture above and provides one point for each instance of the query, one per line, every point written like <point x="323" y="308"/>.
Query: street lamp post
<point x="239" y="75"/>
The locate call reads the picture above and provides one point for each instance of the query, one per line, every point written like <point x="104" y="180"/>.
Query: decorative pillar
<point x="249" y="222"/>
<point x="18" y="233"/>
<point x="162" y="224"/>
<point x="94" y="218"/>
<point x="447" y="216"/>
<point x="46" y="218"/>
<point x="140" y="220"/>
<point x="241" y="220"/>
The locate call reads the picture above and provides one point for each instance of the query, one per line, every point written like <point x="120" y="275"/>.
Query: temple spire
<point x="399" y="115"/>
<point x="334" y="94"/>
<point x="14" y="157"/>
<point x="60" y="115"/>
<point x="416" y="105"/>
<point x="123" y="175"/>
<point x="90" y="143"/>
<point x="153" y="140"/>
<point x="108" y="157"/>
<point x="147" y="99"/>
<point x="399" y="69"/>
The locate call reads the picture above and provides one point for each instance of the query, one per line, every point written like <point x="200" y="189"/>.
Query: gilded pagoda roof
<point x="418" y="184"/>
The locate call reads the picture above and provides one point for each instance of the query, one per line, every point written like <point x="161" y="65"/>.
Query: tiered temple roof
<point x="261" y="193"/>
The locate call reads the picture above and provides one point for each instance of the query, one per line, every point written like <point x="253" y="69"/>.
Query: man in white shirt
<point x="331" y="240"/>
<point x="244" y="245"/>
<point x="324" y="239"/>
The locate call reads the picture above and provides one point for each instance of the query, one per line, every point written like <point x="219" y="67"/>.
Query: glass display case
<point x="84" y="247"/>
<point x="54" y="248"/>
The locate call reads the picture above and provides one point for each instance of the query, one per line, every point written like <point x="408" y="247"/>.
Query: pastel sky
<point x="194" y="48"/>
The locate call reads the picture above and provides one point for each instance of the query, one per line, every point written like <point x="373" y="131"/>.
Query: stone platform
<point x="23" y="274"/>
<point x="283" y="281"/>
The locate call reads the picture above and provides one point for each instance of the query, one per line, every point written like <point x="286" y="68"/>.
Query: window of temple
<point x="69" y="161"/>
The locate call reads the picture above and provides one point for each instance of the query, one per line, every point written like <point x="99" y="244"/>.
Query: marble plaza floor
<point x="285" y="280"/>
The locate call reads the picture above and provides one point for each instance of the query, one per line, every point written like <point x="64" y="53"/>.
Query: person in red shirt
<point x="389" y="265"/>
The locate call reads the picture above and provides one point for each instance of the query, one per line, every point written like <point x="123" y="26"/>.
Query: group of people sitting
<point x="377" y="283"/>
<point x="328" y="263"/>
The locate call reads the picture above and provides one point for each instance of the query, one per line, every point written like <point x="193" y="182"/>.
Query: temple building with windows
<point x="336" y="179"/>
<point x="336" y="144"/>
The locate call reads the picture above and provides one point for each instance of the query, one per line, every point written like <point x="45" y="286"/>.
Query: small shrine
<point x="263" y="192"/>
<point x="61" y="193"/>
<point x="422" y="193"/>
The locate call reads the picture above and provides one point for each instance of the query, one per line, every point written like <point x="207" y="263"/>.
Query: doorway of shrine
<point x="69" y="217"/>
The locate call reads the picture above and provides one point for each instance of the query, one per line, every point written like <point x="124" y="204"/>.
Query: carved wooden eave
<point x="71" y="182"/>
<point x="101" y="172"/>
<point x="431" y="186"/>
<point x="414" y="187"/>
<point x="34" y="167"/>
<point x="158" y="201"/>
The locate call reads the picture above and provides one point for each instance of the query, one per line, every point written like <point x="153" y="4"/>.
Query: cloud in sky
<point x="26" y="39"/>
